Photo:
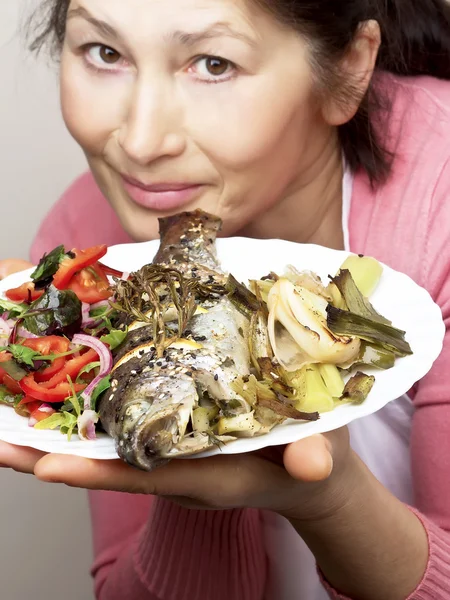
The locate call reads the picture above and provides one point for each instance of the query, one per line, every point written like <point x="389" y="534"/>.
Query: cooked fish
<point x="187" y="344"/>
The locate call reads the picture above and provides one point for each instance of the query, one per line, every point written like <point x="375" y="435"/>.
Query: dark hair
<point x="415" y="41"/>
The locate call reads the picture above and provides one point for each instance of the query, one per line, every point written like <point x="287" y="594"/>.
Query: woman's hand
<point x="9" y="266"/>
<point x="366" y="542"/>
<point x="309" y="479"/>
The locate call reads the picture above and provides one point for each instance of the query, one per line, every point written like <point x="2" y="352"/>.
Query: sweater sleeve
<point x="152" y="549"/>
<point x="79" y="219"/>
<point x="430" y="439"/>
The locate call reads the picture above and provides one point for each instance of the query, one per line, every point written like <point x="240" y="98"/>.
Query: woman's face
<point x="182" y="104"/>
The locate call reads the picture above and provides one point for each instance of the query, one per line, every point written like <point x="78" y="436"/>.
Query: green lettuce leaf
<point x="7" y="398"/>
<point x="103" y="385"/>
<point x="114" y="338"/>
<point x="13" y="308"/>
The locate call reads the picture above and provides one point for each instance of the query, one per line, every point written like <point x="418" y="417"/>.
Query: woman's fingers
<point x="218" y="481"/>
<point x="19" y="458"/>
<point x="115" y="475"/>
<point x="8" y="266"/>
<point x="75" y="471"/>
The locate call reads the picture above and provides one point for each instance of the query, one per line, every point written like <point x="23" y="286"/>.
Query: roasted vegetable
<point x="298" y="329"/>
<point x="358" y="388"/>
<point x="387" y="337"/>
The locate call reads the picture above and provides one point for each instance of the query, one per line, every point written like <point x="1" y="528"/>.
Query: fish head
<point x="152" y="418"/>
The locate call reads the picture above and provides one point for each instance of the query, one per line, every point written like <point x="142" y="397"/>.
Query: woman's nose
<point x="151" y="128"/>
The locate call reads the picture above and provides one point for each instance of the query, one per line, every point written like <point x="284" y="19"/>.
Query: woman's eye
<point x="103" y="56"/>
<point x="213" y="68"/>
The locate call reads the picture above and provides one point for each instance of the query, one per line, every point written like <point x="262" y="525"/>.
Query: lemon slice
<point x="188" y="344"/>
<point x="138" y="351"/>
<point x="182" y="344"/>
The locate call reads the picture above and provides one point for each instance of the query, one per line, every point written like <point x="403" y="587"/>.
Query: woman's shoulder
<point x="81" y="217"/>
<point x="418" y="123"/>
<point x="427" y="91"/>
<point x="404" y="220"/>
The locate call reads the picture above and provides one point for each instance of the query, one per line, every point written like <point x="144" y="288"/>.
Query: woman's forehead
<point x="172" y="14"/>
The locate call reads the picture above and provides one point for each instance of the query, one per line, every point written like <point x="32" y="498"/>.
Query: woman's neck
<point x="312" y="211"/>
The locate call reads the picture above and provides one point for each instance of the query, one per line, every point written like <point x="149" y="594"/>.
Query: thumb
<point x="8" y="266"/>
<point x="309" y="459"/>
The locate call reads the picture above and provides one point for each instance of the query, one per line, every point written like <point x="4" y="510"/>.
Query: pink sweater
<point x="147" y="548"/>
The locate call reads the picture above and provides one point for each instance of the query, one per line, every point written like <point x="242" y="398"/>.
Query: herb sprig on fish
<point x="151" y="294"/>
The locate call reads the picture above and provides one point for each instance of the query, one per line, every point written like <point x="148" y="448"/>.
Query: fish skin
<point x="148" y="408"/>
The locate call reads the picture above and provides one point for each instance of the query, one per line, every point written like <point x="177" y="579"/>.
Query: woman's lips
<point x="161" y="196"/>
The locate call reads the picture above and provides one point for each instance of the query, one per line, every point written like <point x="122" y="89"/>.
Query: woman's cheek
<point x="93" y="105"/>
<point x="252" y="120"/>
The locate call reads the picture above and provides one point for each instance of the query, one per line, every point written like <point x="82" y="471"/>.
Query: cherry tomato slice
<point x="90" y="285"/>
<point x="69" y="266"/>
<point x="24" y="293"/>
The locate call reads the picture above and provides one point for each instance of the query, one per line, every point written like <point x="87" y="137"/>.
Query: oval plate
<point x="397" y="297"/>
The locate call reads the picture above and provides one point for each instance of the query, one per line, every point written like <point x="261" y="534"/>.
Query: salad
<point x="56" y="338"/>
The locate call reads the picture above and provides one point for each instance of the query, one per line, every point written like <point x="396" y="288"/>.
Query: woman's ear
<point x="355" y="72"/>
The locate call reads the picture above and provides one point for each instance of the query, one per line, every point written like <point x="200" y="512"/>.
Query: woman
<point x="288" y="119"/>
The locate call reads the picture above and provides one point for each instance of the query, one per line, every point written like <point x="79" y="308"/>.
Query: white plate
<point x="397" y="297"/>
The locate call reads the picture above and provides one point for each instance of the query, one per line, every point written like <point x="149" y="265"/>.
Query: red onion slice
<point x="6" y="328"/>
<point x="24" y="333"/>
<point x="106" y="363"/>
<point x="86" y="424"/>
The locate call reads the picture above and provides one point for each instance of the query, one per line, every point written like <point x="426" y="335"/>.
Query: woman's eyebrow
<point x="186" y="38"/>
<point x="102" y="26"/>
<point x="219" y="29"/>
